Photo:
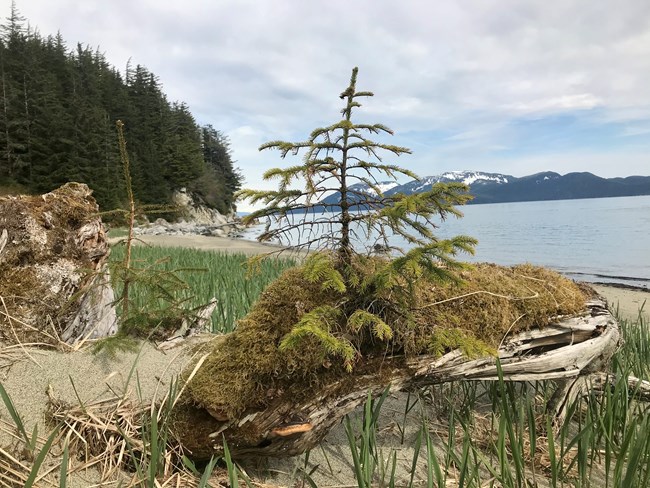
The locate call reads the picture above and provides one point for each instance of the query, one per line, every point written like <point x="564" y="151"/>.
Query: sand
<point x="27" y="374"/>
<point x="206" y="243"/>
<point x="626" y="302"/>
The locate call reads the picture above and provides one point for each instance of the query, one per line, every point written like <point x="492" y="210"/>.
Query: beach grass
<point x="117" y="232"/>
<point x="607" y="436"/>
<point x="472" y="434"/>
<point x="206" y="274"/>
<point x="498" y="434"/>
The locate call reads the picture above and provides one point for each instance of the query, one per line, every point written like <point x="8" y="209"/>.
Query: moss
<point x="248" y="365"/>
<point x="41" y="265"/>
<point x="494" y="300"/>
<point x="447" y="339"/>
<point x="248" y="369"/>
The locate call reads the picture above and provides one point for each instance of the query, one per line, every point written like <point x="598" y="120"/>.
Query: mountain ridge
<point x="503" y="188"/>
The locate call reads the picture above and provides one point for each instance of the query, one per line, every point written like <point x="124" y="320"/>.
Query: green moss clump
<point x="444" y="340"/>
<point x="250" y="367"/>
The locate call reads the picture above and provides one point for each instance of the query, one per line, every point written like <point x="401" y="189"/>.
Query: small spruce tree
<point x="335" y="159"/>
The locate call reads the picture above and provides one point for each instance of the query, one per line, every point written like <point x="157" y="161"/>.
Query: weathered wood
<point x="96" y="317"/>
<point x="601" y="381"/>
<point x="571" y="349"/>
<point x="53" y="252"/>
<point x="199" y="323"/>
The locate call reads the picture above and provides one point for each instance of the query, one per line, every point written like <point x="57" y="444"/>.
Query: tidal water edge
<point x="598" y="240"/>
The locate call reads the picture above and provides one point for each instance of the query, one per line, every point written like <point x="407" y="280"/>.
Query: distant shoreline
<point x="627" y="298"/>
<point x="623" y="286"/>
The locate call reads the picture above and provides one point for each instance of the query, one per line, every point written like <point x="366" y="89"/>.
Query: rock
<point x="53" y="283"/>
<point x="195" y="218"/>
<point x="195" y="211"/>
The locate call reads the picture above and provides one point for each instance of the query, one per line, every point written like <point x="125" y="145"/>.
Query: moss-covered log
<point x="52" y="281"/>
<point x="266" y="400"/>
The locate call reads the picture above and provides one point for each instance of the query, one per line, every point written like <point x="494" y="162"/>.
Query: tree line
<point x="58" y="109"/>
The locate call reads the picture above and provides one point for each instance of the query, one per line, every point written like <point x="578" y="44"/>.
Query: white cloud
<point x="579" y="101"/>
<point x="466" y="69"/>
<point x="636" y="129"/>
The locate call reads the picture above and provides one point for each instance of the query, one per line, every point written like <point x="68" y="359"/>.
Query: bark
<point x="570" y="351"/>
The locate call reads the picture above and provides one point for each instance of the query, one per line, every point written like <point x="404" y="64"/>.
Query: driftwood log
<point x="572" y="351"/>
<point x="53" y="282"/>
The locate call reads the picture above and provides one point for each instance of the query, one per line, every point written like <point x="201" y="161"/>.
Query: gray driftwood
<point x="573" y="351"/>
<point x="200" y="323"/>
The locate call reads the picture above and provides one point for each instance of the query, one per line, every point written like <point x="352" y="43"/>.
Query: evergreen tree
<point x="222" y="179"/>
<point x="183" y="160"/>
<point x="335" y="158"/>
<point x="372" y="291"/>
<point x="13" y="72"/>
<point x="57" y="117"/>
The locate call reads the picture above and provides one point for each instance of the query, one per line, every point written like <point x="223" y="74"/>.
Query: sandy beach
<point x="205" y="243"/>
<point x="627" y="302"/>
<point x="29" y="373"/>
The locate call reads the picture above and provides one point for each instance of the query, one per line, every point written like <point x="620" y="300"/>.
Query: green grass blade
<point x="38" y="461"/>
<point x="207" y="472"/>
<point x="233" y="477"/>
<point x="354" y="451"/>
<point x="416" y="455"/>
<point x="433" y="466"/>
<point x="154" y="448"/>
<point x="63" y="478"/>
<point x="636" y="452"/>
<point x="6" y="399"/>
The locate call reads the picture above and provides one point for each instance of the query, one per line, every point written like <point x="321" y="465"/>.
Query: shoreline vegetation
<point x="457" y="415"/>
<point x="628" y="299"/>
<point x="119" y="410"/>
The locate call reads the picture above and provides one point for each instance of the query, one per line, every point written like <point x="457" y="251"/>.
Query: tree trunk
<point x="569" y="350"/>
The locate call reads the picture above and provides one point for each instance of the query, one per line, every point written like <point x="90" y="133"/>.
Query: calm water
<point x="601" y="239"/>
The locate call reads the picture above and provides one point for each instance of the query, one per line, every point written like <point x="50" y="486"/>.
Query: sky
<point x="507" y="86"/>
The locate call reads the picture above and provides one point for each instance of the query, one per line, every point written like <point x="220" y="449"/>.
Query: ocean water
<point x="597" y="240"/>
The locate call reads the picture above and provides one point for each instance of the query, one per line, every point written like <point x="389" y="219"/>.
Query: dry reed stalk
<point x="55" y="343"/>
<point x="100" y="432"/>
<point x="107" y="434"/>
<point x="16" y="460"/>
<point x="478" y="292"/>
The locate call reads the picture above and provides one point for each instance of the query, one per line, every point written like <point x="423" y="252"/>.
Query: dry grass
<point x="108" y="439"/>
<point x="15" y="460"/>
<point x="107" y="435"/>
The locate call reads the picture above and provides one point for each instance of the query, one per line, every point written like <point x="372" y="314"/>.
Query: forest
<point x="58" y="110"/>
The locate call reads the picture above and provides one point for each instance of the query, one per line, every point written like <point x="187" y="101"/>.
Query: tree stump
<point x="570" y="350"/>
<point x="53" y="282"/>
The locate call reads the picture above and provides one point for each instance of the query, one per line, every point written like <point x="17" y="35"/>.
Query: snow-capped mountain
<point x="497" y="187"/>
<point x="382" y="186"/>
<point x="466" y="177"/>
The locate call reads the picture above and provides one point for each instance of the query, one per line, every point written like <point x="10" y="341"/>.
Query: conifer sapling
<point x="335" y="159"/>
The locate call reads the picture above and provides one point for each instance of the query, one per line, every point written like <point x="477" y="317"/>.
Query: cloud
<point x="456" y="78"/>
